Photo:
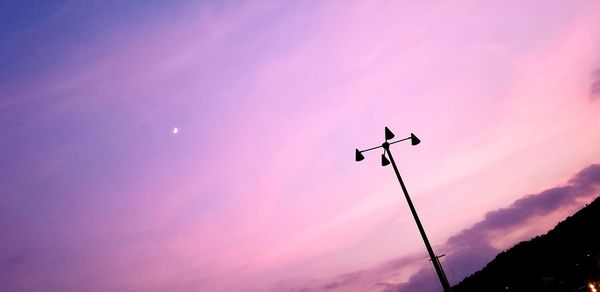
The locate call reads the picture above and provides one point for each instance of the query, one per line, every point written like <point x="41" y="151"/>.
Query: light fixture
<point x="388" y="134"/>
<point x="384" y="160"/>
<point x="389" y="159"/>
<point x="358" y="156"/>
<point x="414" y="140"/>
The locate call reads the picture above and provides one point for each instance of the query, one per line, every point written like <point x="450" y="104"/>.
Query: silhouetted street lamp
<point x="384" y="161"/>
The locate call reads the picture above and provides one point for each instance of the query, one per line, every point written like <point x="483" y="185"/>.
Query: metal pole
<point x="434" y="259"/>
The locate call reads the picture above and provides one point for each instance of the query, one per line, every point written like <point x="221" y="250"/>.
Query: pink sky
<point x="259" y="191"/>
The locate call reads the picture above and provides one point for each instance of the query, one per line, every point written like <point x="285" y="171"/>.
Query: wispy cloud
<point x="269" y="97"/>
<point x="471" y="248"/>
<point x="374" y="279"/>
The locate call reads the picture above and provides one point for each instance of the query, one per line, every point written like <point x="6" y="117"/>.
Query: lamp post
<point x="384" y="161"/>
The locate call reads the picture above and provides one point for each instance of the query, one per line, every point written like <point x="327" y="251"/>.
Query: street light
<point x="384" y="161"/>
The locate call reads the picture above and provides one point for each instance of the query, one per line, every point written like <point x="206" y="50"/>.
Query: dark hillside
<point x="564" y="259"/>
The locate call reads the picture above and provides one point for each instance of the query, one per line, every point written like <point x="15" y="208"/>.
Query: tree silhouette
<point x="564" y="259"/>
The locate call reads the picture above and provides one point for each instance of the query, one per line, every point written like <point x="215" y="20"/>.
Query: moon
<point x="175" y="130"/>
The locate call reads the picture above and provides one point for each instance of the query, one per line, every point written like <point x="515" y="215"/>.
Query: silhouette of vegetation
<point x="567" y="258"/>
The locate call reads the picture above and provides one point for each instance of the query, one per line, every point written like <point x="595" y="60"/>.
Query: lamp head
<point x="414" y="140"/>
<point x="388" y="134"/>
<point x="358" y="156"/>
<point x="384" y="160"/>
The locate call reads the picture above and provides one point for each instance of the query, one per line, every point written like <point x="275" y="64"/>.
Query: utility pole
<point x="384" y="161"/>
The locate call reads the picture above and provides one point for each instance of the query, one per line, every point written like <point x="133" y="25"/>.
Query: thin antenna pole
<point x="436" y="263"/>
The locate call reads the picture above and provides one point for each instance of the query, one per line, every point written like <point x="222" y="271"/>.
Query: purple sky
<point x="257" y="189"/>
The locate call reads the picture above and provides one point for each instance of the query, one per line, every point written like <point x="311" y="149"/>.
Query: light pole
<point x="384" y="161"/>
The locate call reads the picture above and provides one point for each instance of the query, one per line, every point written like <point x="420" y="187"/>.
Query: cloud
<point x="374" y="279"/>
<point x="471" y="248"/>
<point x="14" y="259"/>
<point x="595" y="88"/>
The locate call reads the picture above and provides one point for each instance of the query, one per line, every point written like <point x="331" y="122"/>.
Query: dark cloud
<point x="521" y="210"/>
<point x="333" y="285"/>
<point x="470" y="249"/>
<point x="595" y="91"/>
<point x="529" y="206"/>
<point x="587" y="178"/>
<point x="362" y="280"/>
<point x="15" y="259"/>
<point x="11" y="262"/>
<point x="423" y="280"/>
<point x="595" y="88"/>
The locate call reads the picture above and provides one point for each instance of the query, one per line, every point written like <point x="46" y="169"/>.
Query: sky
<point x="208" y="145"/>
